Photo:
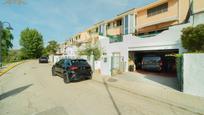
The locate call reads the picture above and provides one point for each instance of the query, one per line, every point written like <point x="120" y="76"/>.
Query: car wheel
<point x="66" y="78"/>
<point x="90" y="77"/>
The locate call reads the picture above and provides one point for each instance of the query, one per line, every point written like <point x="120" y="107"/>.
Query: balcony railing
<point x="115" y="38"/>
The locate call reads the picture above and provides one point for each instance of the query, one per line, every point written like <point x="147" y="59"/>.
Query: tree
<point x="89" y="50"/>
<point x="193" y="38"/>
<point x="32" y="43"/>
<point x="6" y="42"/>
<point x="52" y="47"/>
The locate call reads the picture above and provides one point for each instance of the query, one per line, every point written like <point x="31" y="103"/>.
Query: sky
<point x="60" y="19"/>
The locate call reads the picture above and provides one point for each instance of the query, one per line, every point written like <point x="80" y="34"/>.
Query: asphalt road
<point x="29" y="89"/>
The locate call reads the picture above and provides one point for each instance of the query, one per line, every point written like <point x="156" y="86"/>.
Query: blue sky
<point x="60" y="19"/>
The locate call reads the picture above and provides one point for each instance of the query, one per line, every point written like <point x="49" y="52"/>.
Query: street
<point x="29" y="89"/>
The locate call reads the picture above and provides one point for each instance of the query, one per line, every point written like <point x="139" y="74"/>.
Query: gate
<point x="117" y="64"/>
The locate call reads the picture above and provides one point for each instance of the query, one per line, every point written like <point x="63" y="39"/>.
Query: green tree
<point x="52" y="47"/>
<point x="6" y="42"/>
<point x="193" y="38"/>
<point x="32" y="43"/>
<point x="89" y="50"/>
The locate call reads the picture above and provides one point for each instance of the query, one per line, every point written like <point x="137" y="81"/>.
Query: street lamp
<point x="1" y="28"/>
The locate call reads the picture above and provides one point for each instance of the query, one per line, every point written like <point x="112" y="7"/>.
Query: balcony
<point x="115" y="38"/>
<point x="148" y="35"/>
<point x="114" y="30"/>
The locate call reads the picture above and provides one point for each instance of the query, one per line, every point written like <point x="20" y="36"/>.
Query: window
<point x="60" y="63"/>
<point x="67" y="63"/>
<point x="96" y="30"/>
<point x="79" y="62"/>
<point x="108" y="25"/>
<point x="126" y="24"/>
<point x="101" y="29"/>
<point x="119" y="22"/>
<point x="157" y="10"/>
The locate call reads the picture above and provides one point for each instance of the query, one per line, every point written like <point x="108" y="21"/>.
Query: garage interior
<point x="167" y="76"/>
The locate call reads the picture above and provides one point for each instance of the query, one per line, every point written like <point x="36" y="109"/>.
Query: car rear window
<point x="79" y="62"/>
<point x="157" y="59"/>
<point x="43" y="57"/>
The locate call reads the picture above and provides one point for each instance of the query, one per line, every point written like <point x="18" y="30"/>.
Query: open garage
<point x="156" y="65"/>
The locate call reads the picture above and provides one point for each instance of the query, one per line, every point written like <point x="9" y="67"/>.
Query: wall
<point x="198" y="6"/>
<point x="109" y="49"/>
<point x="199" y="18"/>
<point x="193" y="74"/>
<point x="71" y="51"/>
<point x="169" y="39"/>
<point x="143" y="20"/>
<point x="183" y="9"/>
<point x="84" y="36"/>
<point x="114" y="31"/>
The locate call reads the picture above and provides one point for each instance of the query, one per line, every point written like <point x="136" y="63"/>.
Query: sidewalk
<point x="8" y="67"/>
<point x="150" y="89"/>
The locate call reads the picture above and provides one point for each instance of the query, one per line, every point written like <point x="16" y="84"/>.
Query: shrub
<point x="193" y="38"/>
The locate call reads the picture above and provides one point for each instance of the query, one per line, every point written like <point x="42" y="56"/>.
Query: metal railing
<point x="115" y="38"/>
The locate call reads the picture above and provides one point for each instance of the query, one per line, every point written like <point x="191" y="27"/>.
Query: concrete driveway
<point x="29" y="89"/>
<point x="167" y="79"/>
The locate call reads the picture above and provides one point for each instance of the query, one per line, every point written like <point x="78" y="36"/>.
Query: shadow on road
<point x="14" y="92"/>
<point x="111" y="97"/>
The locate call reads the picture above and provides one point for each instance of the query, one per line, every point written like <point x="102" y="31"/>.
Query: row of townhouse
<point x="155" y="28"/>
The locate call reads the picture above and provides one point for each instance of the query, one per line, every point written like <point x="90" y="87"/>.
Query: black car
<point x="152" y="63"/>
<point x="72" y="69"/>
<point x="43" y="59"/>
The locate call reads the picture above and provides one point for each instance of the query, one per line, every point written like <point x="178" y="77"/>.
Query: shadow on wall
<point x="14" y="92"/>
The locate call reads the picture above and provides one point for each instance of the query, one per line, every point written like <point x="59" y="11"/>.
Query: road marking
<point x="10" y="67"/>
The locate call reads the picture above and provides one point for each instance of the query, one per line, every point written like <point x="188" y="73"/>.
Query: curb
<point x="10" y="67"/>
<point x="195" y="110"/>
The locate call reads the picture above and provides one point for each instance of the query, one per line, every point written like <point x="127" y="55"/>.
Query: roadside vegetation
<point x="32" y="46"/>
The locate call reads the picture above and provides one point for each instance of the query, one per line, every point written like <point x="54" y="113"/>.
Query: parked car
<point x="43" y="59"/>
<point x="72" y="69"/>
<point x="152" y="63"/>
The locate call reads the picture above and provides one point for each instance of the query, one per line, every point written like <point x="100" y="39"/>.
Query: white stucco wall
<point x="169" y="39"/>
<point x="71" y="52"/>
<point x="199" y="18"/>
<point x="110" y="48"/>
<point x="193" y="74"/>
